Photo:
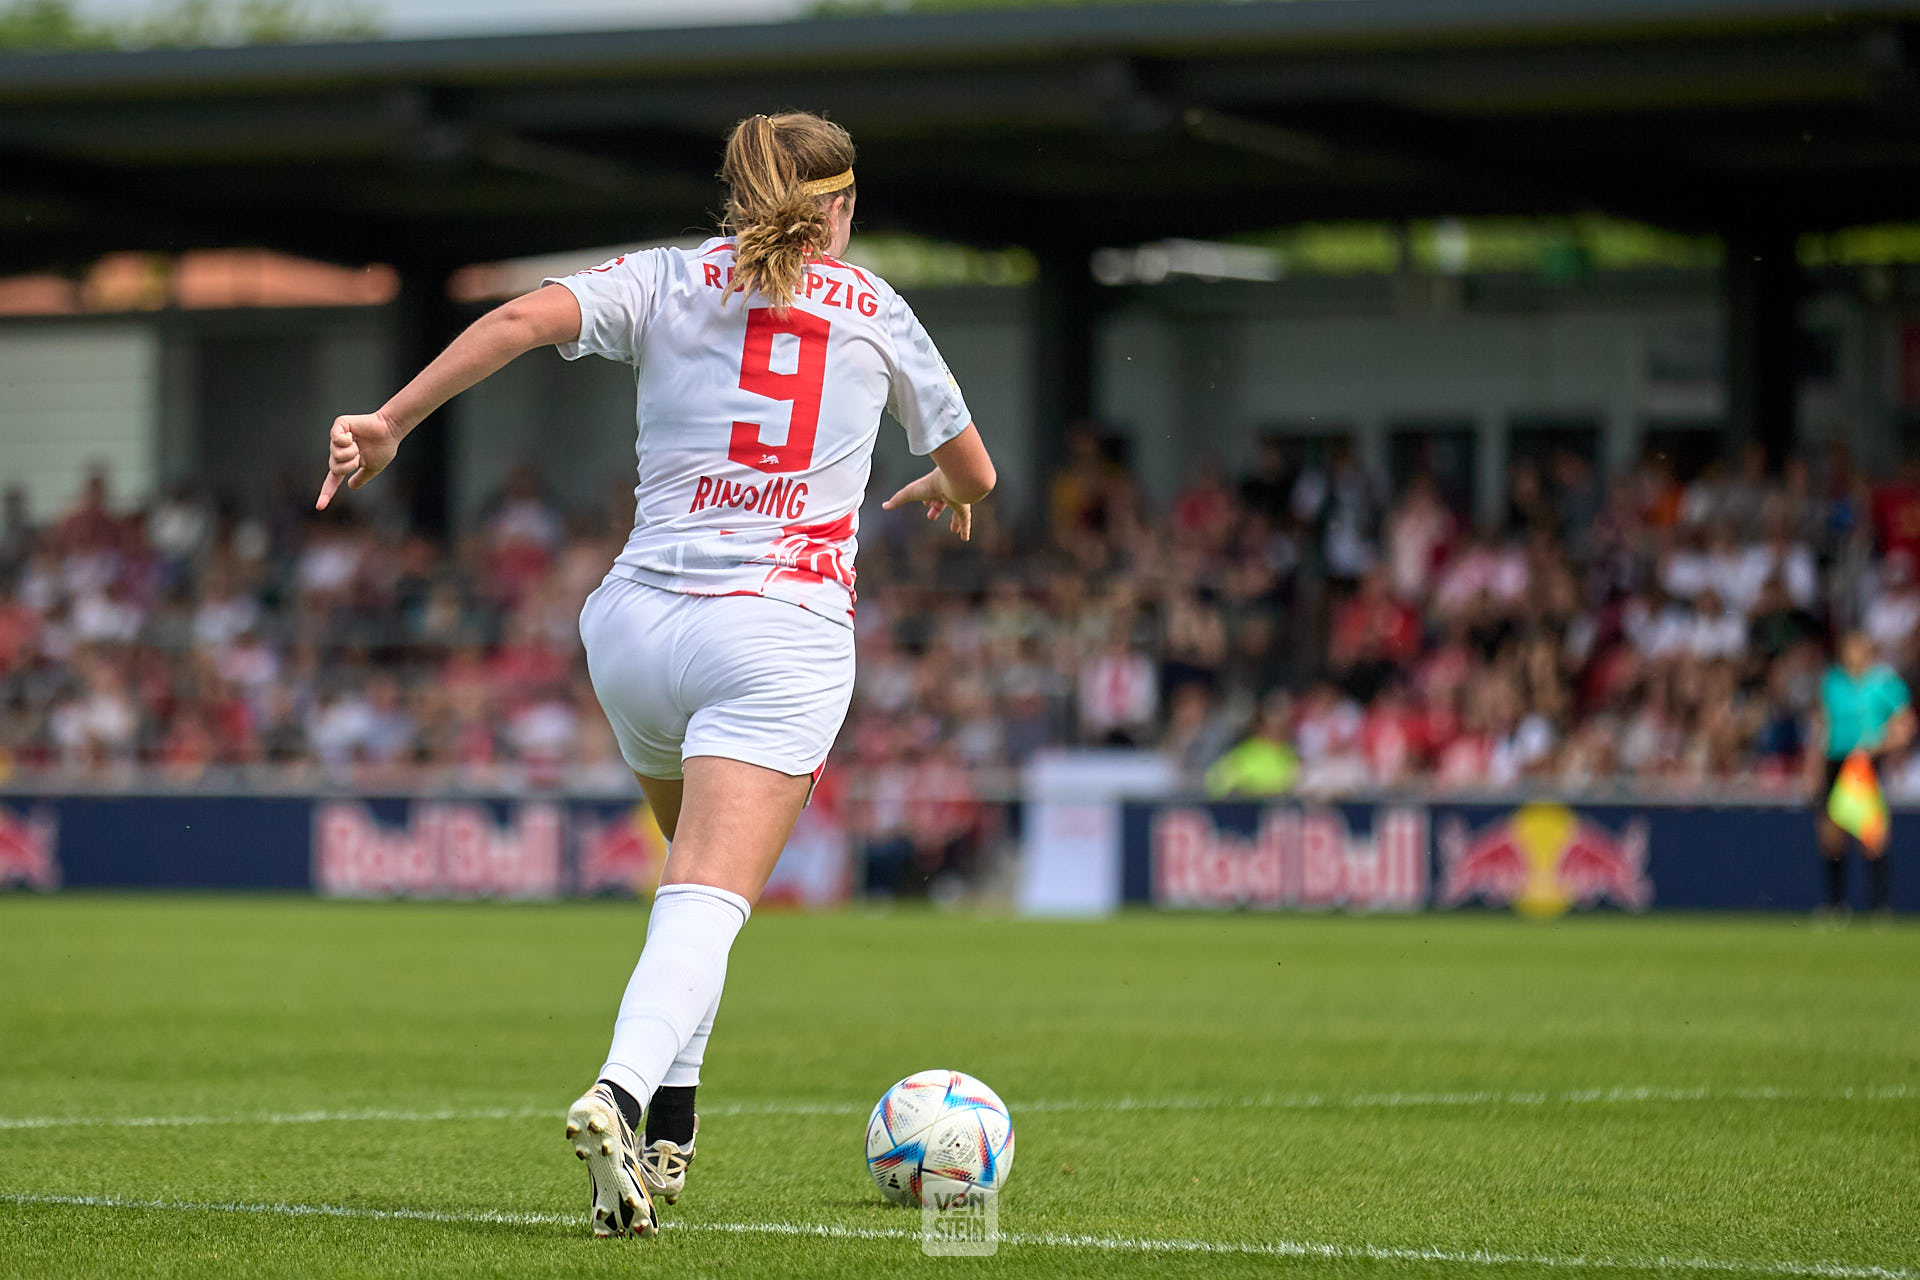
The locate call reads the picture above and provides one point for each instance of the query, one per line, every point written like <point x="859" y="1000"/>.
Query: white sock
<point x="675" y="989"/>
<point x="685" y="1071"/>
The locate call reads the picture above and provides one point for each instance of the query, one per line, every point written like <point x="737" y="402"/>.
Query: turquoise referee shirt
<point x="1858" y="710"/>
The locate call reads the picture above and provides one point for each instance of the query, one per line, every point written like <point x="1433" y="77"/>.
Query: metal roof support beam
<point x="1065" y="311"/>
<point x="425" y="320"/>
<point x="1760" y="288"/>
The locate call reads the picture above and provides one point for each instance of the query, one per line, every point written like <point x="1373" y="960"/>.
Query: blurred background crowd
<point x="1293" y="626"/>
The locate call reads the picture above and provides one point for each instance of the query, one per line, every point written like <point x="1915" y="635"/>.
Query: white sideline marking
<point x="1048" y="1240"/>
<point x="1480" y="1098"/>
<point x="1268" y="1102"/>
<point x="287" y="1117"/>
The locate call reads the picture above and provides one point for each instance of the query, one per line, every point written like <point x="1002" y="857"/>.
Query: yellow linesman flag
<point x="1856" y="805"/>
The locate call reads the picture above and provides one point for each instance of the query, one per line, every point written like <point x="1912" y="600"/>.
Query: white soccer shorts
<point x="743" y="677"/>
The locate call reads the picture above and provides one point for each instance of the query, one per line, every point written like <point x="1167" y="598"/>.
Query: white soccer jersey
<point x="756" y="431"/>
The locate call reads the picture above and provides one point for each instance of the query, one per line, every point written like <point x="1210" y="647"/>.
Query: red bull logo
<point x="27" y="858"/>
<point x="1294" y="858"/>
<point x="441" y="851"/>
<point x="1543" y="859"/>
<point x="624" y="855"/>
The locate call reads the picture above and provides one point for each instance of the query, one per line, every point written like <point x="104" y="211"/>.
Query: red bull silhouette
<point x="27" y="850"/>
<point x="1543" y="859"/>
<point x="623" y="855"/>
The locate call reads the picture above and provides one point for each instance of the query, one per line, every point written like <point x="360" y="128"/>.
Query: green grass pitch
<point x="244" y="1086"/>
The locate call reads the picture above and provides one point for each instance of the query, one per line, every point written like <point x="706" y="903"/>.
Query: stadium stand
<point x="1629" y="631"/>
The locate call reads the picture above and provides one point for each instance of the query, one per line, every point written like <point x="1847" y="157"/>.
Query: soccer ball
<point x="938" y="1127"/>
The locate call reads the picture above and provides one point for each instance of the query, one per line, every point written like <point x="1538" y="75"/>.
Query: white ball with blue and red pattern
<point x="938" y="1126"/>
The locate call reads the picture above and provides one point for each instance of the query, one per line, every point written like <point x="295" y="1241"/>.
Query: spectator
<point x="1327" y="736"/>
<point x="1373" y="635"/>
<point x="1191" y="741"/>
<point x="179" y="529"/>
<point x="1576" y="498"/>
<point x="1119" y="692"/>
<point x="90" y="525"/>
<point x="542" y="733"/>
<point x="105" y="616"/>
<point x="1390" y="737"/>
<point x="1418" y="534"/>
<point x="1082" y="492"/>
<point x="226" y="612"/>
<point x="1262" y="763"/>
<point x="1203" y="512"/>
<point x="366" y="727"/>
<point x="1896" y="511"/>
<point x="1338" y="502"/>
<point x="1267" y="490"/>
<point x="96" y="726"/>
<point x="1892" y="615"/>
<point x="1529" y="510"/>
<point x="1195" y="643"/>
<point x="524" y="532"/>
<point x="1484" y="568"/>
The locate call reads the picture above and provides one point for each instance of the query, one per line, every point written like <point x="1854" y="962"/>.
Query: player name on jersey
<point x="756" y="424"/>
<point x="782" y="497"/>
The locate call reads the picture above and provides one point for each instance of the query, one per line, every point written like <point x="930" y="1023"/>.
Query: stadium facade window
<point x="1445" y="449"/>
<point x="1688" y="448"/>
<point x="79" y="397"/>
<point x="1539" y="437"/>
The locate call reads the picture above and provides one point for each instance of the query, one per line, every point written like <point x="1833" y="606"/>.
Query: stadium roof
<point x="1065" y="126"/>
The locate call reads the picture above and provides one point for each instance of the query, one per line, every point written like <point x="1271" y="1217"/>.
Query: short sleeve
<point x="615" y="300"/>
<point x="924" y="396"/>
<point x="1895" y="692"/>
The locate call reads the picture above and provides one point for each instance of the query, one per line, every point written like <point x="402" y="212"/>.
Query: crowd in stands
<point x="1299" y="627"/>
<point x="1305" y="629"/>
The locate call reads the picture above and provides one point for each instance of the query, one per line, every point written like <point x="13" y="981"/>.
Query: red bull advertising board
<point x="1538" y="859"/>
<point x="371" y="847"/>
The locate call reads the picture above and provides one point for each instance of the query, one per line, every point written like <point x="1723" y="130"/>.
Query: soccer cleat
<point x="600" y="1136"/>
<point x="663" y="1166"/>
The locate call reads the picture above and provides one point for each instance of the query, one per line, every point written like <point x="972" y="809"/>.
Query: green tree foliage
<point x="48" y="25"/>
<point x="850" y="8"/>
<point x="52" y="26"/>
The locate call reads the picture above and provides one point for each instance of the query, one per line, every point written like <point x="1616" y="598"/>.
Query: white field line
<point x="1045" y="1240"/>
<point x="287" y="1117"/>
<point x="1620" y="1095"/>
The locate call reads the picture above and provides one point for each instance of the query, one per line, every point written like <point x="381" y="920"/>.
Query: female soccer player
<point x="721" y="643"/>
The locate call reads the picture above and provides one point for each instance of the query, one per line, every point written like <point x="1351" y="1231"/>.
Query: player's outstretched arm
<point x="361" y="445"/>
<point x="962" y="475"/>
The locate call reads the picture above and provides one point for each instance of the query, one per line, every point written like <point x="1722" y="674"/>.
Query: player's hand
<point x="358" y="449"/>
<point x="931" y="489"/>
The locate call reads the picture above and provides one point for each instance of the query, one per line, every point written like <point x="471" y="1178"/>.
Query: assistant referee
<point x="1864" y="706"/>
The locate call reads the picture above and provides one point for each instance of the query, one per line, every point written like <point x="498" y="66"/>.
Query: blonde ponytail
<point x="778" y="224"/>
